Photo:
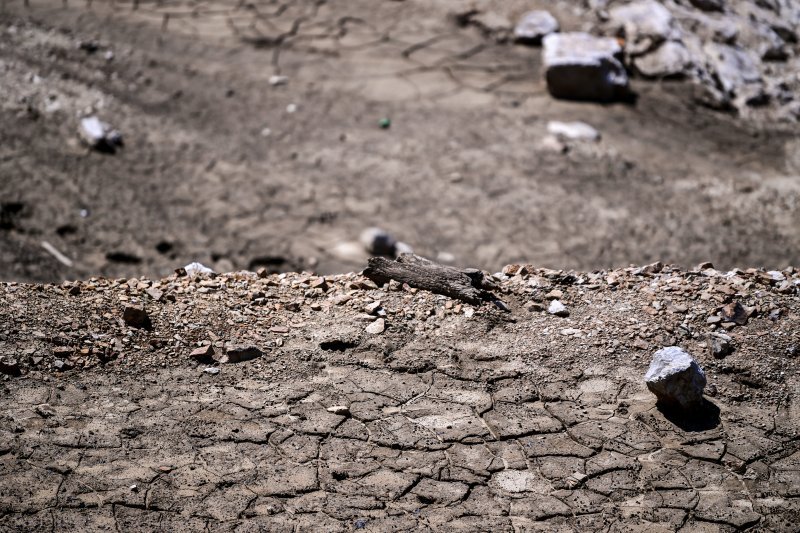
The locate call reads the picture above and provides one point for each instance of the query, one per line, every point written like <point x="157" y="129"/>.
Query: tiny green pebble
<point x="385" y="123"/>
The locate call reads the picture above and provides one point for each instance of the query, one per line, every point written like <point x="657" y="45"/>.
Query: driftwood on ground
<point x="466" y="285"/>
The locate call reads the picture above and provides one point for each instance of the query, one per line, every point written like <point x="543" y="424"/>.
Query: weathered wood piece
<point x="416" y="271"/>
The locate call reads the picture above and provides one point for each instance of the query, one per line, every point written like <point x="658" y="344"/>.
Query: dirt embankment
<point x="386" y="408"/>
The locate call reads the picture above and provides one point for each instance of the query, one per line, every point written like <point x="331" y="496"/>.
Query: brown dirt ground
<point x="454" y="418"/>
<point x="463" y="170"/>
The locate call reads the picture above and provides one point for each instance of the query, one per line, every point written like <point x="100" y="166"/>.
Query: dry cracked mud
<point x="455" y="417"/>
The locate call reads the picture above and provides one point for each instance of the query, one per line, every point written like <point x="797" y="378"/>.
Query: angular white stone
<point x="576" y="131"/>
<point x="675" y="378"/>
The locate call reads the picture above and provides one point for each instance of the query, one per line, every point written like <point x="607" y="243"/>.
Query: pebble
<point x="278" y="80"/>
<point x="341" y="410"/>
<point x="212" y="370"/>
<point x="376" y="327"/>
<point x="574" y="131"/>
<point x="136" y="317"/>
<point x="238" y="353"/>
<point x="558" y="309"/>
<point x="194" y="269"/>
<point x="534" y="25"/>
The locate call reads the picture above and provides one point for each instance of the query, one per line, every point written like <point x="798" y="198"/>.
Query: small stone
<point x="558" y="309"/>
<point x="736" y="313"/>
<point x="534" y="25"/>
<point x="675" y="378"/>
<point x="341" y="410"/>
<point x="720" y="345"/>
<point x="45" y="411"/>
<point x="155" y="294"/>
<point x="165" y="469"/>
<point x="241" y="352"/>
<point x="376" y="327"/>
<point x="74" y="290"/>
<point x="278" y="80"/>
<point x="385" y="123"/>
<point x="99" y="135"/>
<point x="373" y="307"/>
<point x="136" y="317"/>
<point x="203" y="353"/>
<point x="279" y="329"/>
<point x="211" y="370"/>
<point x="535" y="307"/>
<point x="573" y="131"/>
<point x="319" y="283"/>
<point x="61" y="366"/>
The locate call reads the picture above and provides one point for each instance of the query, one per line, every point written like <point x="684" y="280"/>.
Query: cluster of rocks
<point x="737" y="55"/>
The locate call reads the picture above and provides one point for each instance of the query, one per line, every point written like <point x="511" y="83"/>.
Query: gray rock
<point x="675" y="378"/>
<point x="645" y="24"/>
<point x="558" y="309"/>
<point x="733" y="67"/>
<point x="533" y="26"/>
<point x="579" y="66"/>
<point x="668" y="60"/>
<point x="378" y="242"/>
<point x="720" y="345"/>
<point x="575" y="131"/>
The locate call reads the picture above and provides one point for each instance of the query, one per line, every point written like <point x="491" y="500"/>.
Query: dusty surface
<point x="452" y="418"/>
<point x="216" y="169"/>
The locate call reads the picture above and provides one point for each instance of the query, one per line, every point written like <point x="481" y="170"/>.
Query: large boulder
<point x="579" y="66"/>
<point x="675" y="378"/>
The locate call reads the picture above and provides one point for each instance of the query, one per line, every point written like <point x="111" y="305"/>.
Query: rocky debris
<point x="378" y="242"/>
<point x="675" y="378"/>
<point x="376" y="327"/>
<point x="99" y="135"/>
<point x="579" y="66"/>
<point x="558" y="309"/>
<point x="238" y="353"/>
<point x="574" y="131"/>
<point x="533" y="26"/>
<point x="136" y="317"/>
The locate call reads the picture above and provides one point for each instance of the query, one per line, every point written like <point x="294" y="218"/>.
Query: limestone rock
<point x="675" y="378"/>
<point x="579" y="66"/>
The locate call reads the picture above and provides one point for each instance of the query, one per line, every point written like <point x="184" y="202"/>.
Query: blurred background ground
<point x="227" y="165"/>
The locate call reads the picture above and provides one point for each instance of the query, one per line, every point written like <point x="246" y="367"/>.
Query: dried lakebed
<point x="452" y="417"/>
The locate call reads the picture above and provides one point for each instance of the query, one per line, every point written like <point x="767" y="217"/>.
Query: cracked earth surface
<point x="453" y="418"/>
<point x="215" y="169"/>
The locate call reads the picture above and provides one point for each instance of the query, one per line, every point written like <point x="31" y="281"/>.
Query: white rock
<point x="534" y="25"/>
<point x="576" y="131"/>
<point x="579" y="66"/>
<point x="341" y="410"/>
<point x="211" y="370"/>
<point x="278" y="80"/>
<point x="376" y="327"/>
<point x="675" y="378"/>
<point x="558" y="309"/>
<point x="95" y="132"/>
<point x="670" y="59"/>
<point x="193" y="269"/>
